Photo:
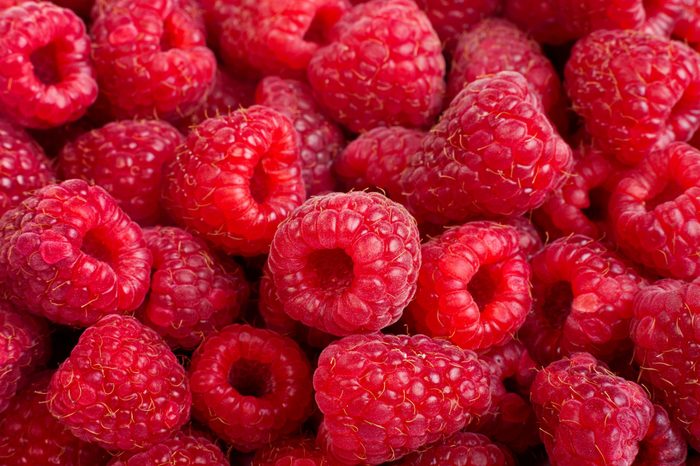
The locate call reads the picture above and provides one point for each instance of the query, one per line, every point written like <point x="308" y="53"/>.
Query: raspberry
<point x="30" y="435"/>
<point x="250" y="385"/>
<point x="70" y="254"/>
<point x="121" y="387"/>
<point x="23" y="166"/>
<point x="180" y="450"/>
<point x="635" y="92"/>
<point x="46" y="77"/>
<point x="346" y="263"/>
<point x="382" y="67"/>
<point x="384" y="396"/>
<point x="582" y="296"/>
<point x="463" y="448"/>
<point x="298" y="451"/>
<point x="493" y="152"/>
<point x="529" y="240"/>
<point x="24" y="346"/>
<point x="151" y="58"/>
<point x="473" y="287"/>
<point x="377" y="158"/>
<point x="236" y="178"/>
<point x="126" y="159"/>
<point x="320" y="140"/>
<point x="688" y="25"/>
<point x="193" y="293"/>
<point x="587" y="415"/>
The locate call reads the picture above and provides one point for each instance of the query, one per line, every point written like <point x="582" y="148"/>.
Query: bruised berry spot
<point x="45" y="66"/>
<point x="332" y="269"/>
<point x="481" y="287"/>
<point x="557" y="303"/>
<point x="251" y="378"/>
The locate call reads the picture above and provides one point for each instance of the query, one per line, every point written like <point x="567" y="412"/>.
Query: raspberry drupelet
<point x="346" y="263"/>
<point x="46" y="75"/>
<point x="295" y="451"/>
<point x="462" y="448"/>
<point x="181" y="450"/>
<point x="250" y="386"/>
<point x="688" y="25"/>
<point x="70" y="254"/>
<point x="473" y="286"/>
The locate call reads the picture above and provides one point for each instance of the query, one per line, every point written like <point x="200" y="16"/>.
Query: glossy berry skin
<point x="346" y="263"/>
<point x="384" y="396"/>
<point x="235" y="179"/>
<point x="635" y="92"/>
<point x="493" y="152"/>
<point x="382" y="67"/>
<point x="473" y="287"/>
<point x="121" y="387"/>
<point x="126" y="158"/>
<point x="582" y="296"/>
<point x="462" y="448"/>
<point x="296" y="451"/>
<point x="151" y="58"/>
<point x="46" y="76"/>
<point x="193" y="292"/>
<point x="320" y="140"/>
<point x="180" y="450"/>
<point x="70" y="254"/>
<point x="250" y="386"/>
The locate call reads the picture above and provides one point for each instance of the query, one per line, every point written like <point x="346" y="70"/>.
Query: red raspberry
<point x="377" y="158"/>
<point x="587" y="415"/>
<point x="320" y="140"/>
<point x="70" y="253"/>
<point x="529" y="240"/>
<point x="688" y="25"/>
<point x="180" y="450"/>
<point x="121" y="387"/>
<point x="384" y="396"/>
<point x="126" y="158"/>
<point x="46" y="77"/>
<point x="493" y="152"/>
<point x="655" y="210"/>
<point x="462" y="448"/>
<point x="23" y="166"/>
<point x="346" y="263"/>
<point x="473" y="287"/>
<point x="151" y="58"/>
<point x="582" y="296"/>
<point x="296" y="451"/>
<point x="193" y="293"/>
<point x="634" y="91"/>
<point x="383" y="67"/>
<point x="236" y="178"/>
<point x="30" y="435"/>
<point x="24" y="346"/>
<point x="250" y="386"/>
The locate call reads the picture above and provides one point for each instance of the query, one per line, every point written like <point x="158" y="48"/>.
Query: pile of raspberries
<point x="346" y="232"/>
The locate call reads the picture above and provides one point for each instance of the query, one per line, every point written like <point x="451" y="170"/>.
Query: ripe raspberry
<point x="121" y="387"/>
<point x="23" y="166"/>
<point x="180" y="450"/>
<point x="46" y="77"/>
<point x="529" y="240"/>
<point x="346" y="263"/>
<point x="296" y="451"/>
<point x="383" y="67"/>
<point x="70" y="254"/>
<point x="235" y="179"/>
<point x="320" y="140"/>
<point x="193" y="293"/>
<point x="250" y="386"/>
<point x="377" y="158"/>
<point x="126" y="158"/>
<point x="493" y="152"/>
<point x="473" y="287"/>
<point x="582" y="296"/>
<point x="30" y="435"/>
<point x="151" y="58"/>
<point x="462" y="448"/>
<point x="634" y="91"/>
<point x="384" y="396"/>
<point x="688" y="25"/>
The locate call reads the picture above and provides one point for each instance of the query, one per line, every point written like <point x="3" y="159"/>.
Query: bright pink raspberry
<point x="46" y="76"/>
<point x="493" y="152"/>
<point x="462" y="448"/>
<point x="250" y="386"/>
<point x="473" y="287"/>
<point x="635" y="92"/>
<point x="180" y="450"/>
<point x="320" y="140"/>
<point x="125" y="158"/>
<point x="70" y="254"/>
<point x="236" y="178"/>
<point x="296" y="451"/>
<point x="346" y="263"/>
<point x="384" y="396"/>
<point x="382" y="67"/>
<point x="121" y="387"/>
